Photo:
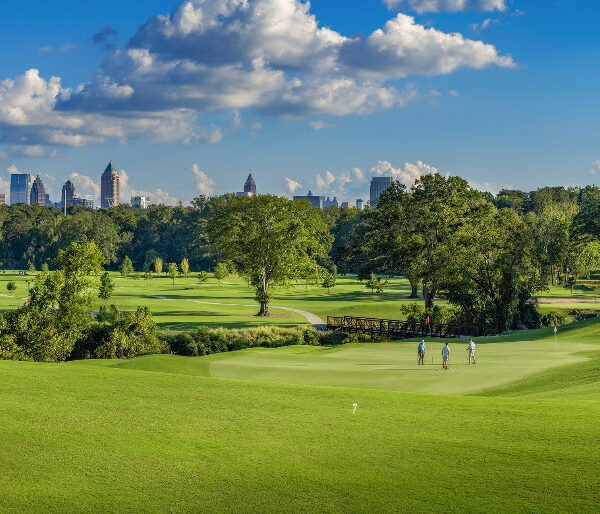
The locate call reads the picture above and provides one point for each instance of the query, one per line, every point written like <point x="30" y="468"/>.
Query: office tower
<point x="109" y="187"/>
<point x="140" y="202"/>
<point x="68" y="192"/>
<point x="20" y="188"/>
<point x="315" y="201"/>
<point x="38" y="192"/>
<point x="378" y="186"/>
<point x="360" y="204"/>
<point x="250" y="185"/>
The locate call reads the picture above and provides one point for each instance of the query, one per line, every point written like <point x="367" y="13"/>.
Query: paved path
<point x="313" y="319"/>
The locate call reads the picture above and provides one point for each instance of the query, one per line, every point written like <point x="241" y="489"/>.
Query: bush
<point x="554" y="319"/>
<point x="125" y="335"/>
<point x="11" y="286"/>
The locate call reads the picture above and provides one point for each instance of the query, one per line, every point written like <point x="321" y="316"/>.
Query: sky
<point x="186" y="97"/>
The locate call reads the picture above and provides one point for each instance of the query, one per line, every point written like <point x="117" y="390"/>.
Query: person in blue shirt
<point x="421" y="350"/>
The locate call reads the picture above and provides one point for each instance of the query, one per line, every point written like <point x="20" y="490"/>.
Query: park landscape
<point x="267" y="429"/>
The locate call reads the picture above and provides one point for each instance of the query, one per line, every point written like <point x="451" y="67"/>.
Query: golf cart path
<point x="310" y="317"/>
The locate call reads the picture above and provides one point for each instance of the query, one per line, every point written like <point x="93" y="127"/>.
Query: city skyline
<point x="487" y="94"/>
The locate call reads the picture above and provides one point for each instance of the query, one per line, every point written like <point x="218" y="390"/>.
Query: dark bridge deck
<point x="395" y="329"/>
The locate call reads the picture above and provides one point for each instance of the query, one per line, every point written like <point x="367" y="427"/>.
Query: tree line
<point x="486" y="255"/>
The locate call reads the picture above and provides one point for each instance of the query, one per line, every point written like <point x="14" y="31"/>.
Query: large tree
<point x="271" y="240"/>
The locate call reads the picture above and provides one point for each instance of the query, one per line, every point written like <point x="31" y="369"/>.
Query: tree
<point x="148" y="276"/>
<point x="11" y="286"/>
<point x="126" y="267"/>
<point x="221" y="272"/>
<point x="106" y="287"/>
<point x="60" y="307"/>
<point x="376" y="284"/>
<point x="173" y="271"/>
<point x="329" y="282"/>
<point x="271" y="240"/>
<point x="202" y="277"/>
<point x="81" y="260"/>
<point x="185" y="266"/>
<point x="31" y="267"/>
<point x="158" y="265"/>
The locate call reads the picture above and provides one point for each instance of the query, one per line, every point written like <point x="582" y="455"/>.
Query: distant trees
<point x="329" y="282"/>
<point x="11" y="286"/>
<point x="107" y="287"/>
<point x="221" y="272"/>
<point x="271" y="240"/>
<point x="185" y="267"/>
<point x="376" y="284"/>
<point x="126" y="267"/>
<point x="158" y="265"/>
<point x="173" y="271"/>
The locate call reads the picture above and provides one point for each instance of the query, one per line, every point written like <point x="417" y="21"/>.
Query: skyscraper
<point x="20" y="188"/>
<point x="250" y="185"/>
<point x="140" y="202"/>
<point x="378" y="186"/>
<point x="360" y="204"/>
<point x="315" y="201"/>
<point x="68" y="192"/>
<point x="109" y="187"/>
<point x="38" y="192"/>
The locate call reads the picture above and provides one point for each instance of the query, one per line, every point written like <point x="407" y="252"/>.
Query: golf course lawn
<point x="188" y="304"/>
<point x="276" y="430"/>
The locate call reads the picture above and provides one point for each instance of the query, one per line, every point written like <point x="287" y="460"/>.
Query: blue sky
<point x="501" y="92"/>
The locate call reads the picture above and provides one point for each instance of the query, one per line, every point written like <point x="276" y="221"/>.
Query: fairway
<point x="273" y="430"/>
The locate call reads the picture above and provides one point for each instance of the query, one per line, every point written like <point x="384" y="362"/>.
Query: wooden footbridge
<point x="395" y="329"/>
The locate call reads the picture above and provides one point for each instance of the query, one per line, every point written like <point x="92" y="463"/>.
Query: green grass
<point x="179" y="306"/>
<point x="273" y="430"/>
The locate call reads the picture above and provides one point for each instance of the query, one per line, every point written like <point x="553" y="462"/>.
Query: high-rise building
<point x="68" y="192"/>
<point x="109" y="187"/>
<point x="48" y="201"/>
<point x="250" y="185"/>
<point x="87" y="202"/>
<point x="140" y="202"/>
<point x="378" y="186"/>
<point x="315" y="201"/>
<point x="2" y="199"/>
<point x="20" y="188"/>
<point x="38" y="192"/>
<point x="360" y="204"/>
<point x="331" y="203"/>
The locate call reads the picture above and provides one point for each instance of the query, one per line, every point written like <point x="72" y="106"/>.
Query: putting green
<point x="389" y="366"/>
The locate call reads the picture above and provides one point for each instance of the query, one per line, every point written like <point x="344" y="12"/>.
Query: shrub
<point x="11" y="286"/>
<point x="554" y="319"/>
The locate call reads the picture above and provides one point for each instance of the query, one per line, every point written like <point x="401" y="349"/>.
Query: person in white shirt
<point x="445" y="355"/>
<point x="471" y="349"/>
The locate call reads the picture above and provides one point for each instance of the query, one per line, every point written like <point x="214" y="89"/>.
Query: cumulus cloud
<point x="491" y="187"/>
<point x="204" y="184"/>
<point x="319" y="125"/>
<point x="157" y="197"/>
<point x="407" y="175"/>
<point x="272" y="56"/>
<point x="291" y="186"/>
<point x="594" y="168"/>
<point x="338" y="184"/>
<point x="12" y="169"/>
<point x="85" y="186"/>
<point x="422" y="6"/>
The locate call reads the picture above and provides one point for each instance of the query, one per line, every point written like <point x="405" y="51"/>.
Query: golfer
<point x="471" y="350"/>
<point x="421" y="351"/>
<point x="445" y="355"/>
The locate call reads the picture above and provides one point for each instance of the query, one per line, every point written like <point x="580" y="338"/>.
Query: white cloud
<point x="86" y="186"/>
<point x="12" y="169"/>
<point x="406" y="175"/>
<point x="204" y="184"/>
<point x="157" y="197"/>
<point x="291" y="186"/>
<point x="422" y="6"/>
<point x="332" y="184"/>
<point x="271" y="56"/>
<point x="594" y="168"/>
<point x="491" y="187"/>
<point x="319" y="125"/>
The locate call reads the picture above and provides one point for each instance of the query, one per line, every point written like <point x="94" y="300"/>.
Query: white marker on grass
<point x="354" y="405"/>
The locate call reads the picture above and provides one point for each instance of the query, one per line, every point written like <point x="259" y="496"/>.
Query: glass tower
<point x="20" y="188"/>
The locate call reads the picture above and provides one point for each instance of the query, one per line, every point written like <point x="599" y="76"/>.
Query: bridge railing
<point x="399" y="329"/>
